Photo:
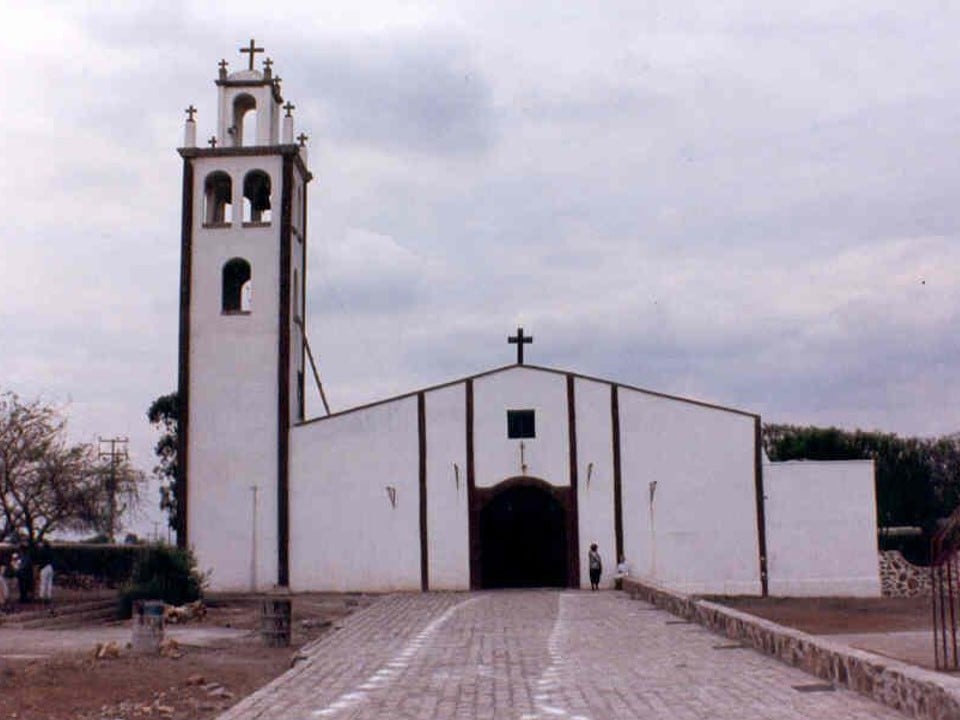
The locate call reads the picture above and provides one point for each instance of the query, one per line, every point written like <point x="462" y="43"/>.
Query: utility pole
<point x="117" y="452"/>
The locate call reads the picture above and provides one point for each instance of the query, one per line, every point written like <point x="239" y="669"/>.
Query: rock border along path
<point x="537" y="655"/>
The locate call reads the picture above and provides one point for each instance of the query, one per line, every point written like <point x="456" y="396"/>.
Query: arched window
<point x="256" y="197"/>
<point x="236" y="286"/>
<point x="217" y="199"/>
<point x="244" y="127"/>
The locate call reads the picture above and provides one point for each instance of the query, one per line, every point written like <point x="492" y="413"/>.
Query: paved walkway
<point x="544" y="654"/>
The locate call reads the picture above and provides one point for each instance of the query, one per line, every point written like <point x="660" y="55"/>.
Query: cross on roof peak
<point x="253" y="50"/>
<point x="520" y="340"/>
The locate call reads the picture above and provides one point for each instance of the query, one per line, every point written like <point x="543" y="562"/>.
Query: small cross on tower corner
<point x="520" y="340"/>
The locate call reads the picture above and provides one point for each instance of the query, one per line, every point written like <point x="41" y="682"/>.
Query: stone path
<point x="531" y="655"/>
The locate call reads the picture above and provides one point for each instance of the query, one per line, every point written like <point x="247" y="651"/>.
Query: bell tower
<point x="241" y="359"/>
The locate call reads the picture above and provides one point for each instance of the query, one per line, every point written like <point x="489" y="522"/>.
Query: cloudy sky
<point x="748" y="203"/>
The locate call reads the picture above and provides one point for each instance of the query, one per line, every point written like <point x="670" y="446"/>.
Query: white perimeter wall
<point x="497" y="457"/>
<point x="699" y="535"/>
<point x="344" y="533"/>
<point x="595" y="487"/>
<point x="821" y="528"/>
<point x="448" y="537"/>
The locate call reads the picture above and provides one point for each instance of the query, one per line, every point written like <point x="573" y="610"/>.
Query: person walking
<point x="596" y="567"/>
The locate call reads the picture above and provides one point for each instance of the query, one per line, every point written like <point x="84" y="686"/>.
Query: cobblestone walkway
<point x="532" y="655"/>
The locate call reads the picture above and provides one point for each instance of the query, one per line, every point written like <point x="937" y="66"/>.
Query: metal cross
<point x="520" y="340"/>
<point x="253" y="50"/>
<point x="303" y="139"/>
<point x="267" y="63"/>
<point x="223" y="65"/>
<point x="213" y="141"/>
<point x="288" y="107"/>
<point x="190" y="111"/>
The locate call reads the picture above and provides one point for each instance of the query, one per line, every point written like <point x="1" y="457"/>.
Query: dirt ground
<point x="839" y="616"/>
<point x="199" y="684"/>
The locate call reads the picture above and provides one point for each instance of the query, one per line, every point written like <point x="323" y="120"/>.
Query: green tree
<point x="164" y="414"/>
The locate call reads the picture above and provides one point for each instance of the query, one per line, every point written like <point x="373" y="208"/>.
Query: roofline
<point x="248" y="151"/>
<point x="503" y="368"/>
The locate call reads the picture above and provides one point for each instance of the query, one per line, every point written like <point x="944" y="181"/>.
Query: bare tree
<point x="46" y="483"/>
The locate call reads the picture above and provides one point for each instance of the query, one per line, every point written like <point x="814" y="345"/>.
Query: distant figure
<point x="4" y="587"/>
<point x="46" y="574"/>
<point x="623" y="570"/>
<point x="24" y="570"/>
<point x="596" y="567"/>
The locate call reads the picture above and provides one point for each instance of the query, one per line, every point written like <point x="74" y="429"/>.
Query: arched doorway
<point x="523" y="536"/>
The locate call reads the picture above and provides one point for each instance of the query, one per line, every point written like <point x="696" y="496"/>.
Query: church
<point x="500" y="479"/>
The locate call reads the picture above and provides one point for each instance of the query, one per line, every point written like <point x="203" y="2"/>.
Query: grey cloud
<point x="410" y="92"/>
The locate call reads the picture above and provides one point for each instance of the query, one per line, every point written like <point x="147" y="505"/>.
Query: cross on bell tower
<point x="252" y="50"/>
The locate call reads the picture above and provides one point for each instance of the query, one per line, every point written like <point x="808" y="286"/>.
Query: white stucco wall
<point x="821" y="528"/>
<point x="344" y="533"/>
<point x="233" y="391"/>
<point x="448" y="537"/>
<point x="699" y="534"/>
<point x="497" y="457"/>
<point x="595" y="484"/>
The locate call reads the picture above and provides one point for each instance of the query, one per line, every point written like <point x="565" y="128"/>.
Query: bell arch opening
<point x="244" y="120"/>
<point x="523" y="536"/>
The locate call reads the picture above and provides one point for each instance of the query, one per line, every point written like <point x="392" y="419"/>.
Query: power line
<point x="116" y="453"/>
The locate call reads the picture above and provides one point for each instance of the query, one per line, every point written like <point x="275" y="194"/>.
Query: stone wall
<point x="901" y="578"/>
<point x="917" y="692"/>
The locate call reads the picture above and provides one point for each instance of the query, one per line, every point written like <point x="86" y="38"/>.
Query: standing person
<point x="25" y="575"/>
<point x="23" y="569"/>
<point x="46" y="574"/>
<point x="596" y="567"/>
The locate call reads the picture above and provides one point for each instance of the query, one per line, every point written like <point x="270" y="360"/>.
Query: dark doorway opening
<point x="523" y="539"/>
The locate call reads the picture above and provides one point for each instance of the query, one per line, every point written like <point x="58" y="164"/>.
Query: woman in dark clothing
<point x="596" y="567"/>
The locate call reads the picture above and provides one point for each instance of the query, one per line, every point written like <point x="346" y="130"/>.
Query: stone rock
<point x="106" y="651"/>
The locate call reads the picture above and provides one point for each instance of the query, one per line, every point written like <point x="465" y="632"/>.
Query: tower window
<point x="256" y="197"/>
<point x="236" y="286"/>
<point x="244" y="129"/>
<point x="218" y="199"/>
<point x="521" y="424"/>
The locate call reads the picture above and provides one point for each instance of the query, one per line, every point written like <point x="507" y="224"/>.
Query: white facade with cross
<point x="500" y="479"/>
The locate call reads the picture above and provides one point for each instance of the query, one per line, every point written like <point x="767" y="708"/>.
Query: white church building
<point x="500" y="479"/>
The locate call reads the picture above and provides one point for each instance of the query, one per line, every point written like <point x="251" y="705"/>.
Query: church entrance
<point x="523" y="536"/>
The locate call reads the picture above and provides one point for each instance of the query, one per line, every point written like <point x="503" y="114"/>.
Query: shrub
<point x="163" y="573"/>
